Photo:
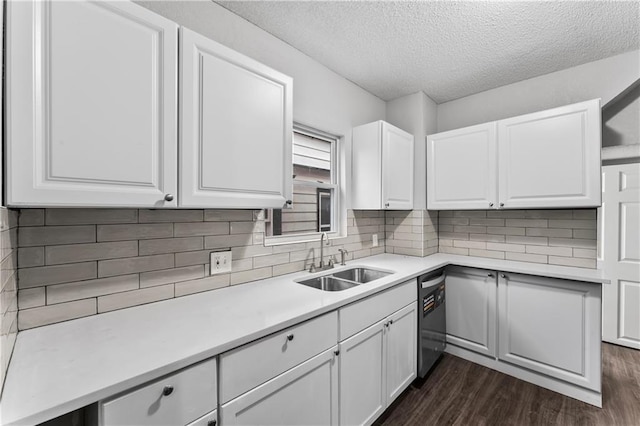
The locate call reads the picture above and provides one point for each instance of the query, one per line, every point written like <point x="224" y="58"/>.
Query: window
<point x="315" y="187"/>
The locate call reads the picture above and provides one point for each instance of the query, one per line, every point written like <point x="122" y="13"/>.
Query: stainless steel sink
<point x="360" y="275"/>
<point x="328" y="283"/>
<point x="343" y="280"/>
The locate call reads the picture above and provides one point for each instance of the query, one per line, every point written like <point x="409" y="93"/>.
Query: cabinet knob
<point x="290" y="337"/>
<point x="289" y="202"/>
<point x="212" y="423"/>
<point x="501" y="204"/>
<point x="167" y="390"/>
<point x="490" y="275"/>
<point x="490" y="204"/>
<point x="336" y="352"/>
<point x="168" y="197"/>
<point x="503" y="276"/>
<point x="390" y="322"/>
<point x="386" y="204"/>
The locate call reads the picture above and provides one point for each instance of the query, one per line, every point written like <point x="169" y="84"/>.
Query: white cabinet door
<point x="363" y="376"/>
<point x="210" y="419"/>
<point x="461" y="168"/>
<point x="397" y="168"/>
<point x="550" y="326"/>
<point x="401" y="344"/>
<point x="91" y="105"/>
<point x="620" y="242"/>
<point x="305" y="395"/>
<point x="471" y="309"/>
<point x="551" y="158"/>
<point x="381" y="167"/>
<point x="236" y="134"/>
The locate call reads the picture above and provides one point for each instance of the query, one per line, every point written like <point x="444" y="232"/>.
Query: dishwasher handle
<point x="437" y="280"/>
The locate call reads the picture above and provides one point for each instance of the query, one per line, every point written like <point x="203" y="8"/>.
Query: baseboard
<point x="564" y="388"/>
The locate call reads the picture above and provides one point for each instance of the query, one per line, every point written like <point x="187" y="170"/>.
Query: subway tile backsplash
<point x="555" y="237"/>
<point x="78" y="262"/>
<point x="8" y="288"/>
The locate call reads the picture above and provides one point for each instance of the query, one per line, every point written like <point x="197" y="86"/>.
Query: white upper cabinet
<point x="91" y="105"/>
<point x="551" y="158"/>
<point x="461" y="168"/>
<point x="382" y="168"/>
<point x="236" y="128"/>
<point x="548" y="159"/>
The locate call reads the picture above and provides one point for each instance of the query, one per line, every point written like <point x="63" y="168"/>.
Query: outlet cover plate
<point x="220" y="262"/>
<point x="374" y="237"/>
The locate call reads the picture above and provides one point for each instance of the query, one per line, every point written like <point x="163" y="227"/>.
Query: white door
<point x="551" y="326"/>
<point x="401" y="344"/>
<point x="236" y="134"/>
<point x="551" y="159"/>
<point x="305" y="395"/>
<point x="362" y="376"/>
<point x="91" y="105"/>
<point x="397" y="168"/>
<point x="461" y="168"/>
<point x="471" y="309"/>
<point x="620" y="241"/>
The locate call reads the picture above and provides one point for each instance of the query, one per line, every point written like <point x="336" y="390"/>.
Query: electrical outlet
<point x="220" y="262"/>
<point x="374" y="237"/>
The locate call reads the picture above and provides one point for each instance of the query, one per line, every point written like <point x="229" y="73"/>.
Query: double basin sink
<point x="344" y="279"/>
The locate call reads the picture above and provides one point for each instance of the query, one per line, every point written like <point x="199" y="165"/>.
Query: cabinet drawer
<point x="251" y="365"/>
<point x="362" y="314"/>
<point x="193" y="395"/>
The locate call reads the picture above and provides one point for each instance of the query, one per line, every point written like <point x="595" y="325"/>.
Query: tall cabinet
<point x="91" y="105"/>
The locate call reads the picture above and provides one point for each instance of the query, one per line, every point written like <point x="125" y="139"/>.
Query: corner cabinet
<point x="237" y="127"/>
<point x="91" y="105"/>
<point x="542" y="330"/>
<point x="382" y="167"/>
<point x="547" y="159"/>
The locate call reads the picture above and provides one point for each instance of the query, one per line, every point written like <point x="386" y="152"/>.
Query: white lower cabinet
<point x="178" y="399"/>
<point x="376" y="365"/>
<point x="305" y="395"/>
<point x="210" y="419"/>
<point x="551" y="326"/>
<point x="471" y="309"/>
<point x="539" y="329"/>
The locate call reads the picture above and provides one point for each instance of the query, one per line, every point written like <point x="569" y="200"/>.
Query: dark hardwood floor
<point x="459" y="392"/>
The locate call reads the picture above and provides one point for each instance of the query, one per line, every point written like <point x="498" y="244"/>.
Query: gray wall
<point x="603" y="79"/>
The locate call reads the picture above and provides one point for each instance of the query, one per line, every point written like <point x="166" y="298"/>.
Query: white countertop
<point x="62" y="367"/>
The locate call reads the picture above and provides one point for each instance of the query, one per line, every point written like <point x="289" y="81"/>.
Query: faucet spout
<point x="323" y="236"/>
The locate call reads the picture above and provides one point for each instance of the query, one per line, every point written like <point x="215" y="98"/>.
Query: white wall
<point x="415" y="113"/>
<point x="321" y="98"/>
<point x="621" y="120"/>
<point x="603" y="79"/>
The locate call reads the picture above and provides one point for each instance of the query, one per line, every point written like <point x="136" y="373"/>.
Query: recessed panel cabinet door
<point x="551" y="326"/>
<point x="91" y="105"/>
<point x="551" y="158"/>
<point x="235" y="139"/>
<point x="305" y="395"/>
<point x="471" y="309"/>
<point x="401" y="351"/>
<point x="363" y="376"/>
<point x="461" y="168"/>
<point x="397" y="168"/>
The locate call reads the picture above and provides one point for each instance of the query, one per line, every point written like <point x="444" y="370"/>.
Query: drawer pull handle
<point x="212" y="423"/>
<point x="167" y="390"/>
<point x="290" y="337"/>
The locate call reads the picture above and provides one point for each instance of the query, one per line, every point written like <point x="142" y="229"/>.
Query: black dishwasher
<point x="431" y="320"/>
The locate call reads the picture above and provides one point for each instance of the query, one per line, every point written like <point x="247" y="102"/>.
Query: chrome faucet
<point x="321" y="266"/>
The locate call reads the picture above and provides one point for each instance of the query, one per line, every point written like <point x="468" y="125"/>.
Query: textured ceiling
<point x="447" y="49"/>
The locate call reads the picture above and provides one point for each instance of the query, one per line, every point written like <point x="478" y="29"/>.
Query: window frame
<point x="337" y="186"/>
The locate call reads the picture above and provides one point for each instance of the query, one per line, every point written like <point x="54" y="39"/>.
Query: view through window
<point x="314" y="188"/>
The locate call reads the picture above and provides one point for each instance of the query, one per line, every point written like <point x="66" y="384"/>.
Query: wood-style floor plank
<point x="459" y="392"/>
